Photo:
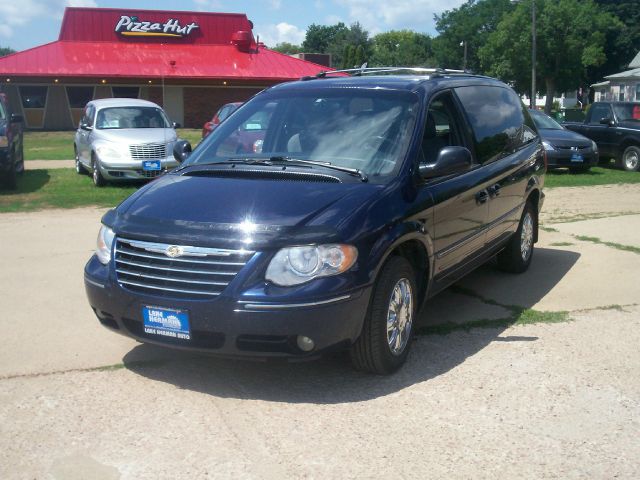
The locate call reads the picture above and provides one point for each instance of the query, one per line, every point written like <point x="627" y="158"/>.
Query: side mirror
<point x="450" y="160"/>
<point x="607" y="121"/>
<point x="176" y="125"/>
<point x="181" y="150"/>
<point x="86" y="127"/>
<point x="16" y="118"/>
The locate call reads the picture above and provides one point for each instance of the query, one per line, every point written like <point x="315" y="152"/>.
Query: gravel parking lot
<point x="557" y="399"/>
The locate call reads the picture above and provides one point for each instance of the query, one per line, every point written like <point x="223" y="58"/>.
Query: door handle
<point x="494" y="190"/>
<point x="482" y="196"/>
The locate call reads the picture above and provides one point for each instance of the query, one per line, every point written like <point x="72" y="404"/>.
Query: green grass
<point x="59" y="145"/>
<point x="595" y="176"/>
<point x="60" y="188"/>
<point x="618" y="246"/>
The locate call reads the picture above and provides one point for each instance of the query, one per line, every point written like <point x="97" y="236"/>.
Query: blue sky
<point x="28" y="23"/>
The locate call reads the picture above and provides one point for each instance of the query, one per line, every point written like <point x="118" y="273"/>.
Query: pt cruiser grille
<point x="176" y="271"/>
<point x="149" y="151"/>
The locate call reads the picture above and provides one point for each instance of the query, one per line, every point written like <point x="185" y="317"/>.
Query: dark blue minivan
<point x="321" y="215"/>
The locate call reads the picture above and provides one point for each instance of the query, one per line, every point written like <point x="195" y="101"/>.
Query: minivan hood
<point x="134" y="136"/>
<point x="222" y="212"/>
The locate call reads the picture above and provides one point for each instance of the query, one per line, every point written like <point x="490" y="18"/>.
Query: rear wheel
<point x="630" y="159"/>
<point x="385" y="340"/>
<point x="516" y="257"/>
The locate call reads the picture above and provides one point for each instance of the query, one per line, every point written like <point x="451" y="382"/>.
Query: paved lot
<point x="548" y="400"/>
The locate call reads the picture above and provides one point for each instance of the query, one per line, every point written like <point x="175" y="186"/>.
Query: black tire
<point x="98" y="179"/>
<point x="514" y="258"/>
<point x="372" y="351"/>
<point x="9" y="179"/>
<point x="80" y="170"/>
<point x="630" y="159"/>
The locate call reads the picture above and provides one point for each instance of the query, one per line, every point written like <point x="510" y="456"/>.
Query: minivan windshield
<point x="544" y="121"/>
<point x="115" y="118"/>
<point x="367" y="130"/>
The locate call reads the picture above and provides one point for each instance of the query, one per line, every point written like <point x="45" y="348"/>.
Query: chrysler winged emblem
<point x="174" y="251"/>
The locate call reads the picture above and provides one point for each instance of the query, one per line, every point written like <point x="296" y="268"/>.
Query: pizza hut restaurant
<point x="191" y="63"/>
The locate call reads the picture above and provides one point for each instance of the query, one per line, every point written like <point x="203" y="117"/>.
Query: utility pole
<point x="464" y="63"/>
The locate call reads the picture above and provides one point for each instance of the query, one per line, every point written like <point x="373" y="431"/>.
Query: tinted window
<point x="33" y="97"/>
<point x="440" y="129"/>
<point x="598" y="112"/>
<point x="224" y="113"/>
<point x="545" y="121"/>
<point x="79" y="96"/>
<point x="499" y="121"/>
<point x="125" y="92"/>
<point x="627" y="111"/>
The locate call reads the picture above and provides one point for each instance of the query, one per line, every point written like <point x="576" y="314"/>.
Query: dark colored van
<point x="370" y="194"/>
<point x="11" y="146"/>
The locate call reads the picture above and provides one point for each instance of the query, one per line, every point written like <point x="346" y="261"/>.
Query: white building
<point x="621" y="87"/>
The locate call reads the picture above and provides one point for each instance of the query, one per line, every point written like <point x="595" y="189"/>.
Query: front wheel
<point x="385" y="340"/>
<point x="516" y="257"/>
<point x="631" y="159"/>
<point x="79" y="167"/>
<point x="98" y="179"/>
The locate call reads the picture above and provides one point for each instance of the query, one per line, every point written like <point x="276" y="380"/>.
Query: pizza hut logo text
<point x="132" y="27"/>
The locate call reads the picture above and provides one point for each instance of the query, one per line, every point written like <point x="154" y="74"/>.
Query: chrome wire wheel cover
<point x="631" y="160"/>
<point x="526" y="237"/>
<point x="400" y="316"/>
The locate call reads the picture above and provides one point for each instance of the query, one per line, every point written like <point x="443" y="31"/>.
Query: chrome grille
<point x="148" y="151"/>
<point x="198" y="273"/>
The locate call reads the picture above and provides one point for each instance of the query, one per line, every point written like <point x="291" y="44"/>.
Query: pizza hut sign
<point x="133" y="27"/>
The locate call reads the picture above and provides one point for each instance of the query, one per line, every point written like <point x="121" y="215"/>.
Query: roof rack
<point x="364" y="70"/>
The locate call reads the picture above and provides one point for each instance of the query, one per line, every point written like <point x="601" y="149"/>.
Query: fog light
<point x="305" y="343"/>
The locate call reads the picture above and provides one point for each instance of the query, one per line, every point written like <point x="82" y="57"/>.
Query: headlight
<point x="4" y="141"/>
<point x="296" y="265"/>
<point x="547" y="146"/>
<point x="107" y="152"/>
<point x="105" y="242"/>
<point x="594" y="145"/>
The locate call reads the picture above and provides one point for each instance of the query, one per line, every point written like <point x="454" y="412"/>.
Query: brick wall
<point x="200" y="104"/>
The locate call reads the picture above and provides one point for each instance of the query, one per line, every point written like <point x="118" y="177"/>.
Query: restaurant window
<point x="33" y="97"/>
<point x="79" y="96"/>
<point x="125" y="92"/>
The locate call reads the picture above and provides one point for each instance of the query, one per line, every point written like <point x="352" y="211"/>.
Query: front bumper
<point x="243" y="327"/>
<point x="130" y="169"/>
<point x="566" y="159"/>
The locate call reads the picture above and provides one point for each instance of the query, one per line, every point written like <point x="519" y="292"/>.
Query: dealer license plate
<point x="166" y="322"/>
<point x="576" y="157"/>
<point x="151" y="165"/>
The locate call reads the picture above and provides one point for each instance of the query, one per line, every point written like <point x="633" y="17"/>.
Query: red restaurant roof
<point x="111" y="43"/>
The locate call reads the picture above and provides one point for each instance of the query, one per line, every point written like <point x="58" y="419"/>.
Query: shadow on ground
<point x="331" y="380"/>
<point x="29" y="182"/>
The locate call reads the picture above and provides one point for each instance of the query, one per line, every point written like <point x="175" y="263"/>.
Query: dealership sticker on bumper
<point x="151" y="165"/>
<point x="166" y="322"/>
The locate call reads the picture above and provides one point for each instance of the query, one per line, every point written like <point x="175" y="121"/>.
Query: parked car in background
<point x="369" y="195"/>
<point x="564" y="148"/>
<point x="615" y="127"/>
<point x="11" y="145"/>
<point x="122" y="139"/>
<point x="224" y="111"/>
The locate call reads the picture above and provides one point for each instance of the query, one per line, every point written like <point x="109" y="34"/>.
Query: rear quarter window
<point x="499" y="121"/>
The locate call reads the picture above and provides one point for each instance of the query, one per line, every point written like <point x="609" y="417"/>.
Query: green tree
<point x="287" y="48"/>
<point x="333" y="39"/>
<point x="472" y="23"/>
<point x="622" y="44"/>
<point x="570" y="37"/>
<point x="347" y="57"/>
<point x="6" y="51"/>
<point x="402" y="48"/>
<point x="358" y="56"/>
<point x="319" y="37"/>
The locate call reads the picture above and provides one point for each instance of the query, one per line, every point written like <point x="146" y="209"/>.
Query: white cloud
<point x="380" y="15"/>
<point x="16" y="14"/>
<point x="273" y="34"/>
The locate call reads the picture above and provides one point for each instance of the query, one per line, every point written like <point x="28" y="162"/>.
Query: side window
<point x="224" y="113"/>
<point x="497" y="120"/>
<point x="3" y="114"/>
<point x="598" y="112"/>
<point x="441" y="128"/>
<point x="91" y="111"/>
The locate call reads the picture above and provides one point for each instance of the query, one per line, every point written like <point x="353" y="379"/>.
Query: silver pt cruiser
<point x="124" y="139"/>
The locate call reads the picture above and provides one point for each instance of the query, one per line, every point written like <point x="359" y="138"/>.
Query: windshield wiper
<point x="251" y="160"/>
<point x="351" y="171"/>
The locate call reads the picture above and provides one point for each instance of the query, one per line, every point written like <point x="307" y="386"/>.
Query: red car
<point x="224" y="111"/>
